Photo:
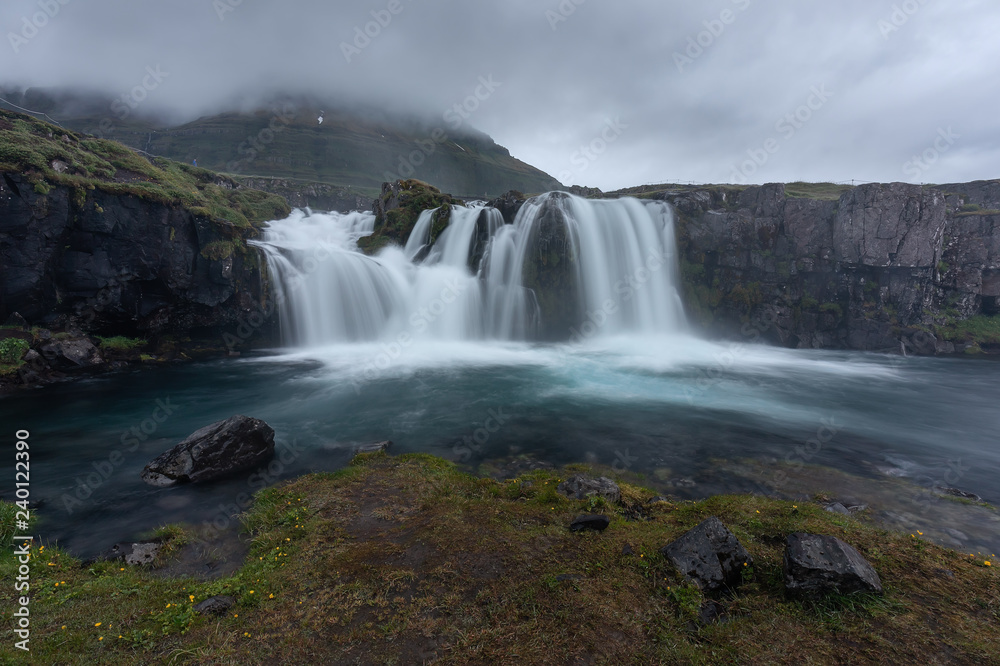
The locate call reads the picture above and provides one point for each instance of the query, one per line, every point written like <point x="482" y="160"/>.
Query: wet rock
<point x="837" y="507"/>
<point x="590" y="522"/>
<point x="215" y="605"/>
<point x="960" y="494"/>
<point x="582" y="487"/>
<point x="815" y="565"/>
<point x="710" y="556"/>
<point x="15" y="319"/>
<point x="237" y="444"/>
<point x="133" y="554"/>
<point x="375" y="447"/>
<point x="71" y="354"/>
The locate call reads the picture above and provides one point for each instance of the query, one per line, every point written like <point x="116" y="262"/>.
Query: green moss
<point x="746" y="296"/>
<point x="822" y="191"/>
<point x="832" y="308"/>
<point x="12" y="350"/>
<point x="121" y="343"/>
<point x="809" y="303"/>
<point x="978" y="330"/>
<point x="29" y="147"/>
<point x="217" y="250"/>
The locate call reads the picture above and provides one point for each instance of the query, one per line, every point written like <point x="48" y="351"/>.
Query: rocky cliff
<point x="881" y="267"/>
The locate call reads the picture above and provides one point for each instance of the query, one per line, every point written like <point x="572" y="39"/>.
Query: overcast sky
<point x="606" y="94"/>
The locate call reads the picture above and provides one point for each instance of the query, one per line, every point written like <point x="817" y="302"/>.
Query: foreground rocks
<point x="582" y="487"/>
<point x="224" y="448"/>
<point x="710" y="556"/>
<point x="815" y="565"/>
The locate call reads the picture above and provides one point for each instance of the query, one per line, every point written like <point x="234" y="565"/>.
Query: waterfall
<point x="566" y="269"/>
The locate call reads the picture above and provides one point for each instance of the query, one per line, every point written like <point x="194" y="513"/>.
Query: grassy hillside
<point x="49" y="155"/>
<point x="406" y="560"/>
<point x="348" y="149"/>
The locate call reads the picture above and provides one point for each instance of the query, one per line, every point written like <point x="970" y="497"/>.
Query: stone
<point x="216" y="605"/>
<point x="71" y="354"/>
<point x="133" y="554"/>
<point x="837" y="507"/>
<point x="590" y="522"/>
<point x="582" y="487"/>
<point x="815" y="565"/>
<point x="710" y="556"/>
<point x="376" y="447"/>
<point x="221" y="449"/>
<point x="15" y="319"/>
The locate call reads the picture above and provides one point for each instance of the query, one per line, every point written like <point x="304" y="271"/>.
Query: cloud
<point x="699" y="88"/>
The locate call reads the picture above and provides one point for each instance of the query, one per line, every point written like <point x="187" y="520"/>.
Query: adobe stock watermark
<point x="786" y="126"/>
<point x="31" y="25"/>
<point x="363" y="35"/>
<point x="123" y="105"/>
<point x="900" y="16"/>
<point x="920" y="164"/>
<point x="474" y="442"/>
<point x="590" y="152"/>
<point x="129" y="441"/>
<point x="454" y="117"/>
<point x="256" y="144"/>
<point x="704" y="40"/>
<point x="223" y="7"/>
<point x="626" y="289"/>
<point x="419" y="321"/>
<point x="562" y="13"/>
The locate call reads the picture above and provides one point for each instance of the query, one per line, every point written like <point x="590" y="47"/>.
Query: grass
<point x="823" y="191"/>
<point x="121" y="343"/>
<point x="408" y="560"/>
<point x="31" y="147"/>
<point x="981" y="329"/>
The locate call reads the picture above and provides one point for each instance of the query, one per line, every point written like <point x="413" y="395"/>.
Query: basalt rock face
<point x="550" y="271"/>
<point x="119" y="265"/>
<point x="886" y="267"/>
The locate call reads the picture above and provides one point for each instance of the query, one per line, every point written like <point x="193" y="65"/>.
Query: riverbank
<point x="407" y="560"/>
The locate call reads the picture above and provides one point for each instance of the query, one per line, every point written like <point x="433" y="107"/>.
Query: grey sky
<point x="879" y="97"/>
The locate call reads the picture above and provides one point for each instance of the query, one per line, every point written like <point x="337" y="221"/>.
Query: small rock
<point x="376" y="447"/>
<point x="944" y="573"/>
<point x="658" y="498"/>
<point x="223" y="448"/>
<point x="215" y="605"/>
<point x="590" y="522"/>
<point x="582" y="487"/>
<point x="627" y="550"/>
<point x="961" y="494"/>
<point x="133" y="554"/>
<point x="837" y="507"/>
<point x="816" y="565"/>
<point x="710" y="556"/>
<point x="711" y="612"/>
<point x="59" y="166"/>
<point x="15" y="319"/>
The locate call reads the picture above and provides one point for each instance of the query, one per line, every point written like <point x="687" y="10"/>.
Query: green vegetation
<point x="408" y="560"/>
<point x="12" y="350"/>
<point x="121" y="343"/>
<point x="48" y="155"/>
<point x="394" y="225"/>
<point x="832" y="308"/>
<point x="978" y="330"/>
<point x="822" y="191"/>
<point x="746" y="297"/>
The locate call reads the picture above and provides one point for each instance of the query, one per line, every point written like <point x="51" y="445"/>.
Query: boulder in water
<point x="237" y="444"/>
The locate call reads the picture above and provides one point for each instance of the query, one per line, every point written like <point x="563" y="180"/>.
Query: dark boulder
<point x="590" y="522"/>
<point x="215" y="605"/>
<point x="508" y="203"/>
<point x="816" y="565"/>
<point x="237" y="444"/>
<point x="73" y="354"/>
<point x="710" y="556"/>
<point x="582" y="487"/>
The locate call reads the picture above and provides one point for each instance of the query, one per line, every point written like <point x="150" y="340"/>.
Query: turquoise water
<point x="637" y="404"/>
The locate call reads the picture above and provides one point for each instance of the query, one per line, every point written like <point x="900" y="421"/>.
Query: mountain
<point x="352" y="147"/>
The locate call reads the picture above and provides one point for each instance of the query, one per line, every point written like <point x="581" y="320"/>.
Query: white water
<point x="330" y="293"/>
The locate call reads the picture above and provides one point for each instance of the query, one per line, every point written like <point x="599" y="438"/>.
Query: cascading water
<point x="607" y="267"/>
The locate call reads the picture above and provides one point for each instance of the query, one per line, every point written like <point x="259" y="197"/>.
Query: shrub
<point x="12" y="350"/>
